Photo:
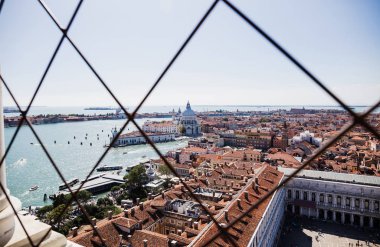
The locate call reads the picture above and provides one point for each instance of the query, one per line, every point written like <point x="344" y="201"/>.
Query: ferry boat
<point x="109" y="168"/>
<point x="33" y="188"/>
<point x="70" y="183"/>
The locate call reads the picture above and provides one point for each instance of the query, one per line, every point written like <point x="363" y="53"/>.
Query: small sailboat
<point x="33" y="188"/>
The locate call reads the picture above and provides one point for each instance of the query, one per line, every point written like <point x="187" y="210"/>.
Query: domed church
<point x="188" y="122"/>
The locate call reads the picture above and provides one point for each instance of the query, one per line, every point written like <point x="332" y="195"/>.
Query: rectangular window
<point x="329" y="199"/>
<point x="305" y="195"/>
<point x="313" y="197"/>
<point x="348" y="201"/>
<point x="289" y="194"/>
<point x="339" y="200"/>
<point x="321" y="198"/>
<point x="297" y="194"/>
<point x="376" y="205"/>
<point x="357" y="203"/>
<point x="366" y="204"/>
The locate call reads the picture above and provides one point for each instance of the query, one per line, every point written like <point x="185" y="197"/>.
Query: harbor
<point x="28" y="163"/>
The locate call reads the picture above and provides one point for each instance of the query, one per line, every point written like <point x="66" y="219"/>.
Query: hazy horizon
<point x="226" y="63"/>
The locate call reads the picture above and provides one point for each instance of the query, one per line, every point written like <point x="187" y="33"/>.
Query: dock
<point x="98" y="185"/>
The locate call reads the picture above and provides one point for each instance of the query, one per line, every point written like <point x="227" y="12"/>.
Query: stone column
<point x="371" y="222"/>
<point x="293" y="209"/>
<point x="317" y="213"/>
<point x="334" y="216"/>
<point x="7" y="219"/>
<point x="308" y="212"/>
<point x="361" y="220"/>
<point x="352" y="219"/>
<point x="342" y="217"/>
<point x="325" y="212"/>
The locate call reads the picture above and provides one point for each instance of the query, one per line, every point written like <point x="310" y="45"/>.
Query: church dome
<point x="188" y="112"/>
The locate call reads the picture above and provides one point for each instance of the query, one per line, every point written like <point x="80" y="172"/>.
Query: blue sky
<point x="131" y="42"/>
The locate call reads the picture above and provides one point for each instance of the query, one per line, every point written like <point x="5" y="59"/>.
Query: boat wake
<point x="20" y="162"/>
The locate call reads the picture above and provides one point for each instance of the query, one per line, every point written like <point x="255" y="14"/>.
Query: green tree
<point x="104" y="201"/>
<point x="115" y="188"/>
<point x="136" y="177"/>
<point x="83" y="196"/>
<point x="164" y="170"/>
<point x="53" y="215"/>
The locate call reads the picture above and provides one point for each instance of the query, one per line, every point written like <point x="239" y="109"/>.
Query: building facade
<point x="188" y="122"/>
<point x="342" y="198"/>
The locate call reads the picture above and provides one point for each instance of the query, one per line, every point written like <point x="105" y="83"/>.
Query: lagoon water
<point x="27" y="164"/>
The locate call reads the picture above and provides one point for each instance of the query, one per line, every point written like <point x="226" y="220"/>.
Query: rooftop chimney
<point x="173" y="243"/>
<point x="141" y="206"/>
<point x="137" y="201"/>
<point x="93" y="220"/>
<point x="196" y="225"/>
<point x="110" y="214"/>
<point x="246" y="195"/>
<point x="75" y="231"/>
<point x="190" y="222"/>
<point x="125" y="213"/>
<point x="179" y="232"/>
<point x="226" y="215"/>
<point x="163" y="195"/>
<point x="145" y="243"/>
<point x="239" y="203"/>
<point x="150" y="196"/>
<point x="95" y="233"/>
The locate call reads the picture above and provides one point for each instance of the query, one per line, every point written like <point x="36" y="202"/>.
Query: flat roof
<point x="334" y="176"/>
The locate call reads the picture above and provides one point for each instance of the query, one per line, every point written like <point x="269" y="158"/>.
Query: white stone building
<point x="160" y="127"/>
<point x="343" y="198"/>
<point x="189" y="123"/>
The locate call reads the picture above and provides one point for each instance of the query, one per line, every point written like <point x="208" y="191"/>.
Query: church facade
<point x="187" y="122"/>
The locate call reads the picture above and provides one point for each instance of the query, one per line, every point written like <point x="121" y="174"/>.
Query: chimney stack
<point x="179" y="232"/>
<point x="246" y="195"/>
<point x="93" y="220"/>
<point x="145" y="243"/>
<point x="173" y="243"/>
<point x="125" y="213"/>
<point x="95" y="233"/>
<point x="163" y="195"/>
<point x="150" y="196"/>
<point x="110" y="214"/>
<point x="196" y="225"/>
<point x="75" y="231"/>
<point x="239" y="203"/>
<point x="226" y="215"/>
<point x="137" y="201"/>
<point x="141" y="206"/>
<point x="190" y="222"/>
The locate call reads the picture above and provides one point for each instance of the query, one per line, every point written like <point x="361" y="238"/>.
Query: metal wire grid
<point x="222" y="230"/>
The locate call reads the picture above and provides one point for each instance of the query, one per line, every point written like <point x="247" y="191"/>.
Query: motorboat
<point x="33" y="188"/>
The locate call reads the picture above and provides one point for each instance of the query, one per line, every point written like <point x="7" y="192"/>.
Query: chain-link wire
<point x="357" y="119"/>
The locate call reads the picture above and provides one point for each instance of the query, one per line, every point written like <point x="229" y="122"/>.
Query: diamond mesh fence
<point x="358" y="119"/>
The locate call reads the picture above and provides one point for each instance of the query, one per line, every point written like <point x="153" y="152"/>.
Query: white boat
<point x="33" y="188"/>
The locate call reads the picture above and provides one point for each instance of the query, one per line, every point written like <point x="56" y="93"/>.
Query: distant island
<point x="99" y="108"/>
